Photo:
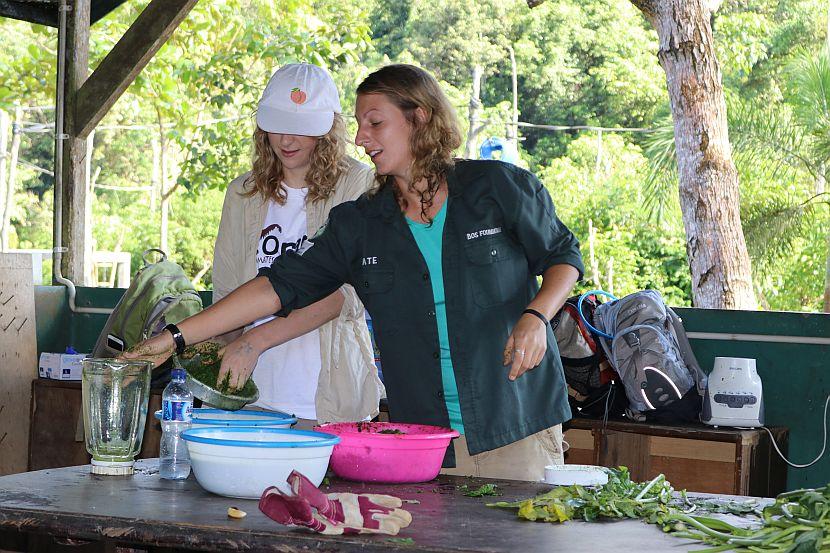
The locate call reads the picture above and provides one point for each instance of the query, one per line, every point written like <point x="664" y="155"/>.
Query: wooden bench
<point x="694" y="457"/>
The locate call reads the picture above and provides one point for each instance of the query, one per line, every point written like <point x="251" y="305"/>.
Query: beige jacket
<point x="349" y="388"/>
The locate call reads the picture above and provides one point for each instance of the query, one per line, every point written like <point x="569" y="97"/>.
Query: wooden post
<point x="75" y="264"/>
<point x="8" y="204"/>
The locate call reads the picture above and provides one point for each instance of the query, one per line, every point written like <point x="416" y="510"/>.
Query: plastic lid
<point x="112" y="468"/>
<point x="178" y="374"/>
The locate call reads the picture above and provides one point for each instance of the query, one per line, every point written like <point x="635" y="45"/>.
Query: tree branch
<point x="648" y="7"/>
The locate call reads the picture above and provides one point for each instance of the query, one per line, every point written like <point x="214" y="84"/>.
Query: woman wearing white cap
<point x="300" y="171"/>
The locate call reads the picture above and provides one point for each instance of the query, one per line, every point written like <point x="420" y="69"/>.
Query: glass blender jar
<point x="115" y="397"/>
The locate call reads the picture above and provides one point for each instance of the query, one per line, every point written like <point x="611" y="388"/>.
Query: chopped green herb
<point x="402" y="541"/>
<point x="481" y="491"/>
<point x="202" y="363"/>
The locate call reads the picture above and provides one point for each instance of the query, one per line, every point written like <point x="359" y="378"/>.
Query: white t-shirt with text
<point x="287" y="375"/>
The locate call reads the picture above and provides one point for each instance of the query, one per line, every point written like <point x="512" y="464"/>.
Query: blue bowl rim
<point x="278" y="417"/>
<point x="198" y="435"/>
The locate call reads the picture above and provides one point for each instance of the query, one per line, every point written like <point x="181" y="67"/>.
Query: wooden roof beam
<point x="46" y="13"/>
<point x="116" y="72"/>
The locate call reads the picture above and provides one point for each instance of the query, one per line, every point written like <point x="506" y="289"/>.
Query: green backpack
<point x="159" y="294"/>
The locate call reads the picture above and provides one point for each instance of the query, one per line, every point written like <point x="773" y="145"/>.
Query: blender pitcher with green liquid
<point x="115" y="397"/>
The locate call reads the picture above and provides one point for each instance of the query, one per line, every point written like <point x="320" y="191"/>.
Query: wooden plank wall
<point x="18" y="359"/>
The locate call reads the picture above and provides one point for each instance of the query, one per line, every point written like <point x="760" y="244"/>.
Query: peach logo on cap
<point x="298" y="96"/>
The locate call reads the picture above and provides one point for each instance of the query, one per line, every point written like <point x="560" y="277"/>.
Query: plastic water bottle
<point x="176" y="414"/>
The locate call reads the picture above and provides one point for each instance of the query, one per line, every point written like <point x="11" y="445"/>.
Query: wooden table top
<point x="145" y="510"/>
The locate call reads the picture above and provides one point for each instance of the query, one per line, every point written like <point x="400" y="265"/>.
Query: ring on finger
<point x="519" y="351"/>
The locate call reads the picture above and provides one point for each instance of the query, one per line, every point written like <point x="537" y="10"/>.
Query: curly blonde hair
<point x="433" y="139"/>
<point x="328" y="162"/>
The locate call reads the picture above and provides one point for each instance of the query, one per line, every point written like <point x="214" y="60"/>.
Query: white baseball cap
<point x="299" y="99"/>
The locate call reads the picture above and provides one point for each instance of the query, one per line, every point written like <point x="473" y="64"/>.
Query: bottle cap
<point x="178" y="374"/>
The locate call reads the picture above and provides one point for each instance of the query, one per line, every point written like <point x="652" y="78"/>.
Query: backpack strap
<point x="686" y="351"/>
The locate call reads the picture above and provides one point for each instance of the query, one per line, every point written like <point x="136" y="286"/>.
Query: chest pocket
<point x="376" y="281"/>
<point x="375" y="288"/>
<point x="497" y="270"/>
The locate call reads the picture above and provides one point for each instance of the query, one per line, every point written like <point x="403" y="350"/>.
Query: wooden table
<point x="146" y="512"/>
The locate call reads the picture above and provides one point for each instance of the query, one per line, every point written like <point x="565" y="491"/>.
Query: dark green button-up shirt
<point x="501" y="231"/>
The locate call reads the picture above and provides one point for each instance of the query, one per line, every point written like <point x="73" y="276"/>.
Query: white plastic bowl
<point x="584" y="475"/>
<point x="203" y="417"/>
<point x="242" y="462"/>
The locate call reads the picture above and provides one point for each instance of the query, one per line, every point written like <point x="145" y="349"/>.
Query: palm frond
<point x="809" y="87"/>
<point x="660" y="186"/>
<point x="768" y="138"/>
<point x="773" y="225"/>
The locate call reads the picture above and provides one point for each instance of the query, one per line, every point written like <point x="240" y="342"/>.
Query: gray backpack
<point x="647" y="345"/>
<point x="159" y="294"/>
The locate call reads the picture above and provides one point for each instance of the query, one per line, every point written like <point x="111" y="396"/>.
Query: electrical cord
<point x="823" y="445"/>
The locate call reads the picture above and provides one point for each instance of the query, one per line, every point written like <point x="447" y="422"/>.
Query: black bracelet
<point x="177" y="337"/>
<point x="537" y="314"/>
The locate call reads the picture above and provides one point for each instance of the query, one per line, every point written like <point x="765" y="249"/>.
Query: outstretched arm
<point x="251" y="301"/>
<point x="241" y="355"/>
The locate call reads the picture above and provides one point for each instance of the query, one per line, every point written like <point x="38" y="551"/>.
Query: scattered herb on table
<point x="797" y="522"/>
<point x="402" y="541"/>
<point x="481" y="491"/>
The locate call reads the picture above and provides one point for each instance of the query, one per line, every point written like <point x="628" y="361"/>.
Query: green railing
<point x="791" y="349"/>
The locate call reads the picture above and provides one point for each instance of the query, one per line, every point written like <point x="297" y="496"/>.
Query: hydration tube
<point x="591" y="327"/>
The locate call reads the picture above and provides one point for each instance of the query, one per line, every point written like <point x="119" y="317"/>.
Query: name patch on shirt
<point x="371" y="260"/>
<point x="483" y="232"/>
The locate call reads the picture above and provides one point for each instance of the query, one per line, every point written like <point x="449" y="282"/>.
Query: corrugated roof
<point x="45" y="12"/>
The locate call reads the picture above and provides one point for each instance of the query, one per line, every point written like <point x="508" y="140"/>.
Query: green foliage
<point x="579" y="62"/>
<point x="609" y="195"/>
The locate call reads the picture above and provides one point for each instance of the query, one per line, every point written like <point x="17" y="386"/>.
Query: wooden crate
<point x="697" y="458"/>
<point x="57" y="428"/>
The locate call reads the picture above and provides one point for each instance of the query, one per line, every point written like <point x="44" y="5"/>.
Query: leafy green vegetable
<point x="798" y="521"/>
<point x="481" y="491"/>
<point x="402" y="541"/>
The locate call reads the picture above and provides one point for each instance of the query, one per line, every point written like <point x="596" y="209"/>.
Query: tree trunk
<point x="709" y="193"/>
<point x="4" y="145"/>
<point x="165" y="197"/>
<point x="474" y="114"/>
<point x="513" y="128"/>
<point x="8" y="203"/>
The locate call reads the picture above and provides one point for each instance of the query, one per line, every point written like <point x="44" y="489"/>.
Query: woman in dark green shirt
<point x="445" y="255"/>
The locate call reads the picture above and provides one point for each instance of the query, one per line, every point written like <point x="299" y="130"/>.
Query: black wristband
<point x="178" y="339"/>
<point x="537" y="314"/>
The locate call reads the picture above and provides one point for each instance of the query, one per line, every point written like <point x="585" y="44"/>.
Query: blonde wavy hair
<point x="433" y="139"/>
<point x="328" y="162"/>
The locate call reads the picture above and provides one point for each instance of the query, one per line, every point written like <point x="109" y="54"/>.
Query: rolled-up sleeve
<point x="532" y="218"/>
<point x="302" y="279"/>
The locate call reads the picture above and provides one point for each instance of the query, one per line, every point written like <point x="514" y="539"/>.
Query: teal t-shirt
<point x="429" y="239"/>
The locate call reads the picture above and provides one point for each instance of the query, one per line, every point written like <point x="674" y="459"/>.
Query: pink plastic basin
<point x="365" y="454"/>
